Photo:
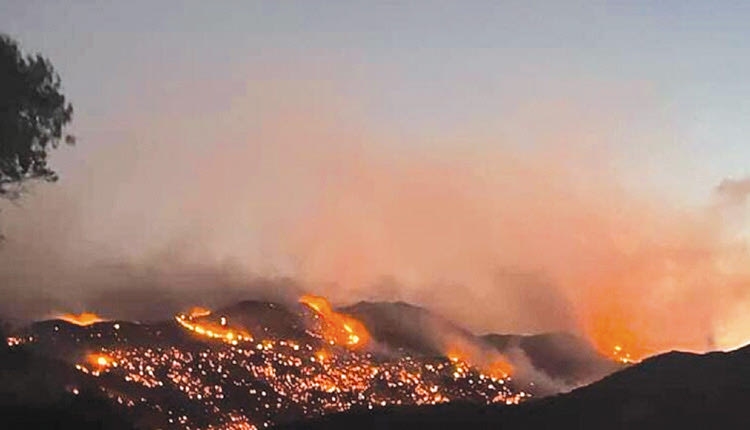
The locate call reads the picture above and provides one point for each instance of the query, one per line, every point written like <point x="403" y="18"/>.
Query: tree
<point x="33" y="115"/>
<point x="3" y="340"/>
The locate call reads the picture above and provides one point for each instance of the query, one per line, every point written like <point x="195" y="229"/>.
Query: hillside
<point x="673" y="390"/>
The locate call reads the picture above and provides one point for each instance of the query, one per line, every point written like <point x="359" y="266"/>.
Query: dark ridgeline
<point x="670" y="391"/>
<point x="405" y="327"/>
<point x="264" y="319"/>
<point x="561" y="356"/>
<point x="36" y="392"/>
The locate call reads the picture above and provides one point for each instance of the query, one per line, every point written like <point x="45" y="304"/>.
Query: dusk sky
<point x="673" y="71"/>
<point x="437" y="147"/>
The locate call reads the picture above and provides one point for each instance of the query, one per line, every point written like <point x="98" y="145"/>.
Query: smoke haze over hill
<point x="278" y="188"/>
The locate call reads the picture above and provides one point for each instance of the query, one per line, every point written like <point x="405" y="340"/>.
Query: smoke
<point x="205" y="191"/>
<point x="519" y="242"/>
<point x="734" y="190"/>
<point x="539" y="382"/>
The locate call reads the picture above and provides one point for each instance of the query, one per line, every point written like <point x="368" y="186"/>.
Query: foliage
<point x="33" y="115"/>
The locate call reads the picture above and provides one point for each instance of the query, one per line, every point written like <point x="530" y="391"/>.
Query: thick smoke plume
<point x="525" y="233"/>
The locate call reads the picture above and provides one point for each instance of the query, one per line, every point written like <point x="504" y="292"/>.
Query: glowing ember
<point x="15" y="341"/>
<point x="619" y="354"/>
<point x="278" y="379"/>
<point x="455" y="355"/>
<point x="322" y="355"/>
<point x="99" y="360"/>
<point x="84" y="319"/>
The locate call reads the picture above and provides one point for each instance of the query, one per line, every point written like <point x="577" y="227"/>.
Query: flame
<point x="493" y="365"/>
<point x="322" y="355"/>
<point x="99" y="360"/>
<point x="615" y="337"/>
<point x="622" y="355"/>
<point x="455" y="355"/>
<point x="221" y="331"/>
<point x="500" y="369"/>
<point x="339" y="328"/>
<point x="198" y="312"/>
<point x="83" y="319"/>
<point x="305" y="373"/>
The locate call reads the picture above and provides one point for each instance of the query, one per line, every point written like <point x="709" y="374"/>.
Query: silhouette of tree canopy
<point x="33" y="115"/>
<point x="3" y="342"/>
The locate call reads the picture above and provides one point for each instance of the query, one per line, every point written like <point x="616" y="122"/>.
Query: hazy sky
<point x="429" y="68"/>
<point x="561" y="158"/>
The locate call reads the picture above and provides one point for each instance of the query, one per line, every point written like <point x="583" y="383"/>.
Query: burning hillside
<point x="257" y="364"/>
<point x="338" y="328"/>
<point x="82" y="319"/>
<point x="219" y="374"/>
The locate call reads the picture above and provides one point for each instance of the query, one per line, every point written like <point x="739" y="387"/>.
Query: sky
<point x="422" y="70"/>
<point x="399" y="150"/>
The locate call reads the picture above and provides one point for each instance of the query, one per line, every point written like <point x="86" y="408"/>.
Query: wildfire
<point x="310" y="375"/>
<point x="199" y="312"/>
<point x="339" y="328"/>
<point x="83" y="319"/>
<point x="500" y="369"/>
<point x="619" y="354"/>
<point x="322" y="355"/>
<point x="15" y="341"/>
<point x="99" y="361"/>
<point x="279" y="377"/>
<point x="495" y="367"/>
<point x="615" y="339"/>
<point x="455" y="356"/>
<point x="621" y="338"/>
<point x="221" y="331"/>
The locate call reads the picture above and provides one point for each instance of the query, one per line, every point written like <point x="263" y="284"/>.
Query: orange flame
<point x="621" y="355"/>
<point x="219" y="331"/>
<point x="322" y="355"/>
<point x="99" y="360"/>
<point x="614" y="337"/>
<point x="83" y="319"/>
<point x="339" y="328"/>
<point x="500" y="369"/>
<point x="198" y="312"/>
<point x="494" y="365"/>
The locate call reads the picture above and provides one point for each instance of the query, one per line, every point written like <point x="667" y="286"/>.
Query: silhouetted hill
<point x="41" y="393"/>
<point x="166" y="372"/>
<point x="64" y="340"/>
<point x="674" y="390"/>
<point x="264" y="319"/>
<point x="409" y="328"/>
<point x="564" y="357"/>
<point x="398" y="326"/>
